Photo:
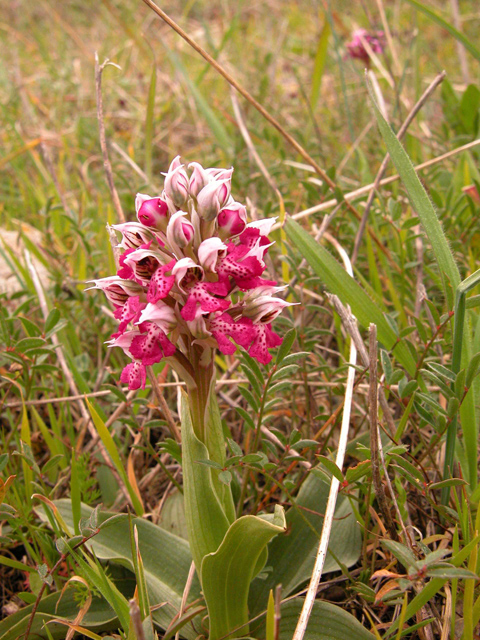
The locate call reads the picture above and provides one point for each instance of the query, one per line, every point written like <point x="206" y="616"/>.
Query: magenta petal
<point x="125" y="271"/>
<point x="149" y="347"/>
<point x="199" y="294"/>
<point x="134" y="375"/>
<point x="160" y="284"/>
<point x="129" y="312"/>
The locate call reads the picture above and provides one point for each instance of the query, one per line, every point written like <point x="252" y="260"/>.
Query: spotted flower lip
<point x="191" y="277"/>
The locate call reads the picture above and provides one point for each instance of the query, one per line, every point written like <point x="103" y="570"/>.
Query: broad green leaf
<point x="227" y="573"/>
<point x="448" y="26"/>
<point x="207" y="522"/>
<point x="166" y="559"/>
<point x="350" y="292"/>
<point x="172" y="516"/>
<point x="292" y="556"/>
<point x="327" y="622"/>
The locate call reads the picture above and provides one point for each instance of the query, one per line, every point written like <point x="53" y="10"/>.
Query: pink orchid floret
<point x="356" y="47"/>
<point x="190" y="276"/>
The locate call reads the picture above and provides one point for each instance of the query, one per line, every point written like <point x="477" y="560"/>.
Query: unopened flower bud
<point x="232" y="220"/>
<point x="198" y="179"/>
<point x="180" y="230"/>
<point x="151" y="212"/>
<point x="176" y="183"/>
<point x="212" y="198"/>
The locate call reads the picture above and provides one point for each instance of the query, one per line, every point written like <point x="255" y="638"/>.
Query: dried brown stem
<point x="103" y="140"/>
<point x="375" y="435"/>
<point x="163" y="405"/>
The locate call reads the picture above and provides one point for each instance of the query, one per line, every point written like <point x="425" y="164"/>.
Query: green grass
<point x="163" y="101"/>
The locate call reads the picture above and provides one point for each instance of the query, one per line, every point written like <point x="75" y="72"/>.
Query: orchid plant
<point x="190" y="282"/>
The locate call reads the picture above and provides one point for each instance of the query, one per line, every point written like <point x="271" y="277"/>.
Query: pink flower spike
<point x="208" y="252"/>
<point x="160" y="314"/>
<point x="161" y="284"/>
<point x="232" y="220"/>
<point x="152" y="346"/>
<point x="180" y="230"/>
<point x="151" y="212"/>
<point x="135" y="375"/>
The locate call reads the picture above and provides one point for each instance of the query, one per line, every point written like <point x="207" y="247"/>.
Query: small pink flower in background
<point x="356" y="47"/>
<point x="472" y="191"/>
<point x="190" y="276"/>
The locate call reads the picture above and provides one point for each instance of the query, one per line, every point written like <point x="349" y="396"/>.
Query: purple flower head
<point x="190" y="277"/>
<point x="356" y="47"/>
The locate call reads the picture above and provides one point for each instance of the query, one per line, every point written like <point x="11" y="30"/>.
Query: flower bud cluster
<point x="189" y="276"/>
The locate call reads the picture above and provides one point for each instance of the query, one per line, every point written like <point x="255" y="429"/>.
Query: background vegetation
<point x="165" y="100"/>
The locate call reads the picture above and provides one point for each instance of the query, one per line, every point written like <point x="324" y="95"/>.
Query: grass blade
<point x="319" y="66"/>
<point x="420" y="202"/>
<point x="110" y="446"/>
<point x="149" y="121"/>
<point x="350" y="292"/>
<point x="447" y="25"/>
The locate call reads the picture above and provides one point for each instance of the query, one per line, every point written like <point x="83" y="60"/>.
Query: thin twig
<point x="103" y="140"/>
<point x="403" y="129"/>
<point x="248" y="141"/>
<point x="366" y="189"/>
<point x="335" y="484"/>
<point x="457" y="23"/>
<point x="375" y="435"/>
<point x="186" y="591"/>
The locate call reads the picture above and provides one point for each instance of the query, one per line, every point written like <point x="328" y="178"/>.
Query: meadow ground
<point x="161" y="99"/>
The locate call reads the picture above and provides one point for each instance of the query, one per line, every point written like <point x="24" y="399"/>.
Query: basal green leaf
<point x="227" y="573"/>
